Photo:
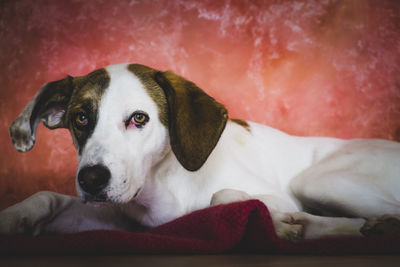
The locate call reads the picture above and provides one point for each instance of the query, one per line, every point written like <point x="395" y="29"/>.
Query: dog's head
<point x="124" y="120"/>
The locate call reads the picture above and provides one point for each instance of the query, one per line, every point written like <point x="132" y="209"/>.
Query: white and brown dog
<point x="155" y="147"/>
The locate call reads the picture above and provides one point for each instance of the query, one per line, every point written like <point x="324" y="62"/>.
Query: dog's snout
<point x="93" y="179"/>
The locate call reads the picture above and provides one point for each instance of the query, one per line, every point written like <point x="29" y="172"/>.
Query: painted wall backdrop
<point x="321" y="68"/>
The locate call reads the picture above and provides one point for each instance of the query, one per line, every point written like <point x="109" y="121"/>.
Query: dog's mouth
<point x="99" y="198"/>
<point x="103" y="198"/>
<point x="137" y="192"/>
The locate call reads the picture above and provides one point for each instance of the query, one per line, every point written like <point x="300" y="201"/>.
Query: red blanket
<point x="237" y="227"/>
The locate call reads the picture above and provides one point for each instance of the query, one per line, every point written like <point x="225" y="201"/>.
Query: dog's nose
<point x="93" y="179"/>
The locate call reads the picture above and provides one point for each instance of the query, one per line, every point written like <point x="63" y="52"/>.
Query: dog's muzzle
<point x="93" y="179"/>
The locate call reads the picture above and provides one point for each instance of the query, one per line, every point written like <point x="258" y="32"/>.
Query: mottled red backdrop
<point x="307" y="67"/>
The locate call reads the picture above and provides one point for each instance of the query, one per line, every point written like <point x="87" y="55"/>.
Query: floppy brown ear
<point x="195" y="120"/>
<point x="49" y="106"/>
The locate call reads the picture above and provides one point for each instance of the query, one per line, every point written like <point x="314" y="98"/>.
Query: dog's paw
<point x="13" y="223"/>
<point x="227" y="196"/>
<point x="287" y="227"/>
<point x="384" y="225"/>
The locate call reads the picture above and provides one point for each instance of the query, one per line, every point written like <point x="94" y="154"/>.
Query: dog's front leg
<point x="49" y="212"/>
<point x="31" y="215"/>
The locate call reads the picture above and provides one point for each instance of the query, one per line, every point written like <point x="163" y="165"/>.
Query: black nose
<point x="93" y="179"/>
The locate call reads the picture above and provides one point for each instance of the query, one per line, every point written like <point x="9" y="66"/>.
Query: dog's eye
<point x="81" y="120"/>
<point x="137" y="119"/>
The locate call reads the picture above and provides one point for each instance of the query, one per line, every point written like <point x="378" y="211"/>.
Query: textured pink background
<point x="307" y="67"/>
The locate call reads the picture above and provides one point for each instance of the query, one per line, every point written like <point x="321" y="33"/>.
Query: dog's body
<point x="155" y="147"/>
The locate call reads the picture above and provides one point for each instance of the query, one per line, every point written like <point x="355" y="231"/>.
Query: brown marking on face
<point x="195" y="120"/>
<point x="242" y="123"/>
<point x="88" y="91"/>
<point x="146" y="76"/>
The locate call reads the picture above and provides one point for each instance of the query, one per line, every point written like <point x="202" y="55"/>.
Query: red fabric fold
<point x="236" y="227"/>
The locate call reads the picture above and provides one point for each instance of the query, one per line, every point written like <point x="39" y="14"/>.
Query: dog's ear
<point x="49" y="106"/>
<point x="195" y="120"/>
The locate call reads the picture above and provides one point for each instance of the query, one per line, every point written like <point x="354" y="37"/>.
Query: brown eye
<point x="139" y="117"/>
<point x="81" y="120"/>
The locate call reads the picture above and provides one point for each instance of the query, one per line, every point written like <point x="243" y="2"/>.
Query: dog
<point x="152" y="146"/>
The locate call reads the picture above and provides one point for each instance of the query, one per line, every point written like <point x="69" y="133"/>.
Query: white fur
<point x="357" y="178"/>
<point x="128" y="153"/>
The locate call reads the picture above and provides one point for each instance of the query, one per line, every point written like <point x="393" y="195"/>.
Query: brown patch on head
<point x="88" y="91"/>
<point x="146" y="76"/>
<point x="56" y="105"/>
<point x="242" y="123"/>
<point x="195" y="120"/>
